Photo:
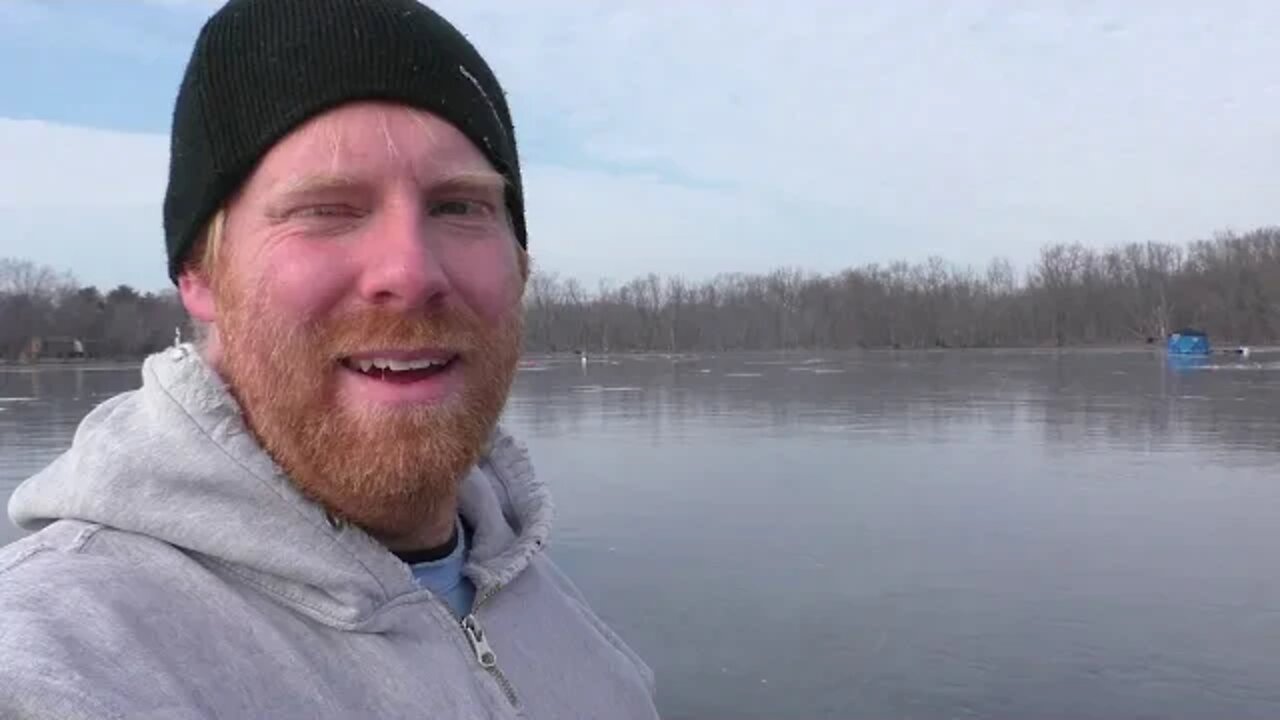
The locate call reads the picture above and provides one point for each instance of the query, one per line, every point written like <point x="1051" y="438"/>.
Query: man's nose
<point x="402" y="264"/>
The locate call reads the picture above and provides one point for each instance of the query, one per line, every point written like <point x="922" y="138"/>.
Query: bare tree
<point x="1228" y="285"/>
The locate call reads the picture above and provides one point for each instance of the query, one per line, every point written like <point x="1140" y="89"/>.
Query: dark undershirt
<point x="439" y="552"/>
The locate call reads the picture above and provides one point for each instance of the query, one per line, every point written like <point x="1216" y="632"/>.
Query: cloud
<point x="594" y="225"/>
<point x="85" y="200"/>
<point x="89" y="200"/>
<point x="699" y="136"/>
<point x="52" y="164"/>
<point x="203" y="5"/>
<point x="975" y="129"/>
<point x="55" y="31"/>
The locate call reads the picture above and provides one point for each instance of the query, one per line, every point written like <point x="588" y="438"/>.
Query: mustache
<point x="454" y="328"/>
<point x="370" y="329"/>
<point x="449" y="325"/>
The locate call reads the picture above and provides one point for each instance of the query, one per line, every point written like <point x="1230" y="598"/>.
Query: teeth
<point x="396" y="365"/>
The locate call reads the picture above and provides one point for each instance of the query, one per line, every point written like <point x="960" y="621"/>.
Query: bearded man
<point x="313" y="511"/>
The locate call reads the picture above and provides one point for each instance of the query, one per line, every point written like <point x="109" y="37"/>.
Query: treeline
<point x="1228" y="286"/>
<point x="43" y="311"/>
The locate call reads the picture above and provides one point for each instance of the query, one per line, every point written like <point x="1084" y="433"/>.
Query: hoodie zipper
<point x="484" y="652"/>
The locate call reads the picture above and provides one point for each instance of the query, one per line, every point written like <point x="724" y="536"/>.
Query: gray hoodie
<point x="175" y="573"/>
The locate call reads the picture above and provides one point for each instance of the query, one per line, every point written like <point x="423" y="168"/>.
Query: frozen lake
<point x="1083" y="534"/>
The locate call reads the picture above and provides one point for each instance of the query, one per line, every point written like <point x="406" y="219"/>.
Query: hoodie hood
<point x="173" y="460"/>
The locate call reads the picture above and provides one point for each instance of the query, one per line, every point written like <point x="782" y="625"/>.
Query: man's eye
<point x="457" y="207"/>
<point x="324" y="211"/>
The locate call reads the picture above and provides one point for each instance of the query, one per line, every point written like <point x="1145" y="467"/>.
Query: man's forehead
<point x="314" y="182"/>
<point x="364" y="142"/>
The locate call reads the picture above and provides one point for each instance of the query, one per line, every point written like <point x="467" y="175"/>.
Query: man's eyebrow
<point x="481" y="182"/>
<point x="304" y="184"/>
<point x="475" y="181"/>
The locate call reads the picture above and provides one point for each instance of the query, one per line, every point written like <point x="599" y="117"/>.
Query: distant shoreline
<point x="1225" y="350"/>
<point x="85" y="364"/>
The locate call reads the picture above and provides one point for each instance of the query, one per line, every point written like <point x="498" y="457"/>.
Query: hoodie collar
<point x="173" y="460"/>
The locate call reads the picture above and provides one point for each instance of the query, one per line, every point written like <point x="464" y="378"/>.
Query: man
<point x="313" y="513"/>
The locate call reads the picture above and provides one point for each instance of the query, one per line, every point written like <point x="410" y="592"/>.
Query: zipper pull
<point x="479" y="644"/>
<point x="486" y="657"/>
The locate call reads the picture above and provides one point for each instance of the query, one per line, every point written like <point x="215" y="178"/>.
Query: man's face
<point x="367" y="310"/>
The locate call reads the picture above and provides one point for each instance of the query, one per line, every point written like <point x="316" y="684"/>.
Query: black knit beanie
<point x="260" y="68"/>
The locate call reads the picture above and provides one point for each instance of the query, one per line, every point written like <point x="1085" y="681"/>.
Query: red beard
<point x="387" y="470"/>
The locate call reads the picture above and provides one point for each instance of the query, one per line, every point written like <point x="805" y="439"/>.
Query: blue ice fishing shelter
<point x="1189" y="342"/>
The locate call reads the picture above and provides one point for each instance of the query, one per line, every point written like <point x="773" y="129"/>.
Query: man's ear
<point x="523" y="259"/>
<point x="197" y="295"/>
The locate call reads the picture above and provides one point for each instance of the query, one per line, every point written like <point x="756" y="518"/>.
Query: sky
<point x="697" y="138"/>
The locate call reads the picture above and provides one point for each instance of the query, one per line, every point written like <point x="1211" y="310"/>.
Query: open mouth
<point x="395" y="370"/>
